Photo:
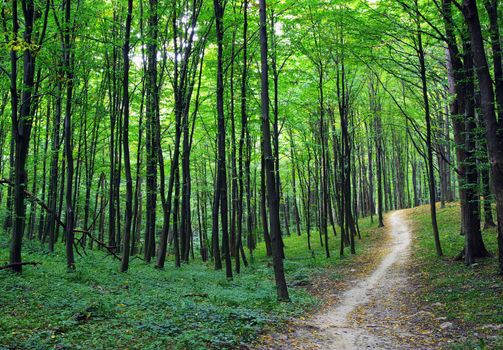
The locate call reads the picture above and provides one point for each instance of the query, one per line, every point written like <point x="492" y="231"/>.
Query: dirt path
<point x="378" y="312"/>
<point x="340" y="332"/>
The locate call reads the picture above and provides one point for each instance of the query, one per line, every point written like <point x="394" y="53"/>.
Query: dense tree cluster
<point x="197" y="128"/>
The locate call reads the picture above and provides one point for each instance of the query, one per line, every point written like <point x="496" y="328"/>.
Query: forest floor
<point x="387" y="296"/>
<point x="401" y="303"/>
<point x="193" y="307"/>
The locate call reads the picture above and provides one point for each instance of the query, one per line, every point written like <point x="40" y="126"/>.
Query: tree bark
<point x="221" y="162"/>
<point x="494" y="128"/>
<point x="429" y="147"/>
<point x="125" y="139"/>
<point x="273" y="200"/>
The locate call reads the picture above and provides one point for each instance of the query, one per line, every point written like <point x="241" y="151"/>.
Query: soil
<point x="376" y="311"/>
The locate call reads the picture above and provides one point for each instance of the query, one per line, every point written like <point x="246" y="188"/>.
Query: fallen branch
<point x="5" y="267"/>
<point x="36" y="200"/>
<point x="61" y="223"/>
<point x="101" y="243"/>
<point x="202" y="295"/>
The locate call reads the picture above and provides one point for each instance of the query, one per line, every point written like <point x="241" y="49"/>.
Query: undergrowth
<point x="471" y="295"/>
<point x="193" y="307"/>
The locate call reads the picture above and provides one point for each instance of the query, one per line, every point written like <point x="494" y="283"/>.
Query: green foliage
<point x="470" y="294"/>
<point x="193" y="307"/>
<point x="98" y="307"/>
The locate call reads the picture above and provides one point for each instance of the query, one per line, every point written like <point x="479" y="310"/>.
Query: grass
<point x="471" y="295"/>
<point x="193" y="307"/>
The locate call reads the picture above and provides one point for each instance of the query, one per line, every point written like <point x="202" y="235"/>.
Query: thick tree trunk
<point x="21" y="126"/>
<point x="494" y="128"/>
<point x="474" y="246"/>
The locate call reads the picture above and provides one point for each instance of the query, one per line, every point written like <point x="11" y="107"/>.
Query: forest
<point x="251" y="174"/>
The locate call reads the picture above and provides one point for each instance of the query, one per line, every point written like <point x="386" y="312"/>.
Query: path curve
<point x="335" y="325"/>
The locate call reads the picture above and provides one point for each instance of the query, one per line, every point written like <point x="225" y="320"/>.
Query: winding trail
<point x="382" y="310"/>
<point x="339" y="332"/>
<point x="379" y="311"/>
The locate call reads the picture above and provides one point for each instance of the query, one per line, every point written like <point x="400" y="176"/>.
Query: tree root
<point x="461" y="255"/>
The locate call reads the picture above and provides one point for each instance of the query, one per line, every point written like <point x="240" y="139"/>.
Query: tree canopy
<point x="197" y="129"/>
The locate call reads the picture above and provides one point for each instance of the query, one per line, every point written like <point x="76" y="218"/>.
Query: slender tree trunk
<point x="242" y="139"/>
<point x="263" y="206"/>
<point x="125" y="139"/>
<point x="294" y="185"/>
<point x="221" y="163"/>
<point x="273" y="199"/>
<point x="429" y="147"/>
<point x="69" y="235"/>
<point x="494" y="30"/>
<point x="151" y="126"/>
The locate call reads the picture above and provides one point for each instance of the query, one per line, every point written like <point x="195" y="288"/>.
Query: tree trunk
<point x="151" y="108"/>
<point x="125" y="139"/>
<point x="221" y="163"/>
<point x="431" y="174"/>
<point x="494" y="128"/>
<point x="273" y="200"/>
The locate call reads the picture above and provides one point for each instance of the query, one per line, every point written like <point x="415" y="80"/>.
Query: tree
<point x="22" y="118"/>
<point x="220" y="200"/>
<point x="125" y="139"/>
<point x="494" y="127"/>
<point x="429" y="146"/>
<point x="272" y="195"/>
